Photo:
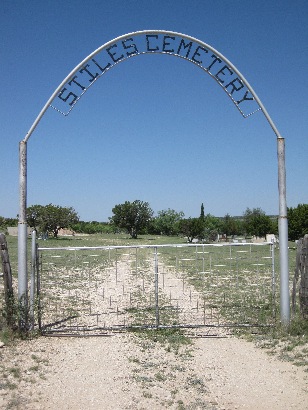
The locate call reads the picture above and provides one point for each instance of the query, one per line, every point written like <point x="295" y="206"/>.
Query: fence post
<point x="301" y="273"/>
<point x="283" y="236"/>
<point x="156" y="288"/>
<point x="22" y="239"/>
<point x="38" y="288"/>
<point x="32" y="283"/>
<point x="7" y="278"/>
<point x="272" y="247"/>
<point x="303" y="290"/>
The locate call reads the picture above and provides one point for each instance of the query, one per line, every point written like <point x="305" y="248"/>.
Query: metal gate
<point x="119" y="287"/>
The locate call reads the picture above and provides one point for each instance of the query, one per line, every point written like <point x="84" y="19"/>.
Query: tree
<point x="202" y="212"/>
<point x="256" y="222"/>
<point x="192" y="228"/>
<point x="167" y="222"/>
<point x="298" y="221"/>
<point x="230" y="227"/>
<point x="35" y="216"/>
<point x="5" y="222"/>
<point x="132" y="216"/>
<point x="51" y="218"/>
<point x="92" y="227"/>
<point x="212" y="227"/>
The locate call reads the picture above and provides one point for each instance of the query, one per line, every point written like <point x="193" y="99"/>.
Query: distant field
<point x="119" y="239"/>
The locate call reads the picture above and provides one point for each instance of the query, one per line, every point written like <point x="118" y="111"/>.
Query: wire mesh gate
<point x="117" y="287"/>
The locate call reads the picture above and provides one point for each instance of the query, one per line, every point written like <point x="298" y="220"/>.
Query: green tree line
<point x="137" y="217"/>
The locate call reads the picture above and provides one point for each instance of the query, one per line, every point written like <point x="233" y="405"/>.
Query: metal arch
<point x="151" y="52"/>
<point x="283" y="224"/>
<point x="149" y="32"/>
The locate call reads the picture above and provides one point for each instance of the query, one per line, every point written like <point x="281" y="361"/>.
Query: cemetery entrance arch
<point x="204" y="56"/>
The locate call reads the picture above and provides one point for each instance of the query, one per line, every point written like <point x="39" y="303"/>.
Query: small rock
<point x="2" y="344"/>
<point x="214" y="402"/>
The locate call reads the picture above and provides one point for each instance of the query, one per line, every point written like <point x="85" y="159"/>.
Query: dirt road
<point x="124" y="371"/>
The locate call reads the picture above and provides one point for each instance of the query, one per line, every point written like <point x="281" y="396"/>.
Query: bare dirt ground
<point x="124" y="371"/>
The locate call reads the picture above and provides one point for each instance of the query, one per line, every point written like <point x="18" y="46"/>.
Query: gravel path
<point x="124" y="371"/>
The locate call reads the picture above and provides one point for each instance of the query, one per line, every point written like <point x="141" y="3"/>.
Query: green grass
<point x="88" y="240"/>
<point x="287" y="343"/>
<point x="172" y="339"/>
<point x="113" y="240"/>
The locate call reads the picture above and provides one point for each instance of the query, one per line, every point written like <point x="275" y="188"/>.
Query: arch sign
<point x="172" y="44"/>
<point x="99" y="62"/>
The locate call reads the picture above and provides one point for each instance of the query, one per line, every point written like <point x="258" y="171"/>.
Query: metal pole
<point x="156" y="288"/>
<point x="33" y="273"/>
<point x="283" y="236"/>
<point x="22" y="235"/>
<point x="272" y="252"/>
<point x="38" y="288"/>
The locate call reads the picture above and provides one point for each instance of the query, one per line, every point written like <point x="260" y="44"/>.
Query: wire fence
<point x="117" y="287"/>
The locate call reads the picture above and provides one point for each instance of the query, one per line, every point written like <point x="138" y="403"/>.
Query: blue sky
<point x="154" y="128"/>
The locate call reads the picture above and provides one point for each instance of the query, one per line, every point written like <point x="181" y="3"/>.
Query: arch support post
<point x="22" y="238"/>
<point x="283" y="236"/>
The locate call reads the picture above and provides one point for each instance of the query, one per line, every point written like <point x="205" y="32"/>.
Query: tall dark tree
<point x="132" y="216"/>
<point x="202" y="212"/>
